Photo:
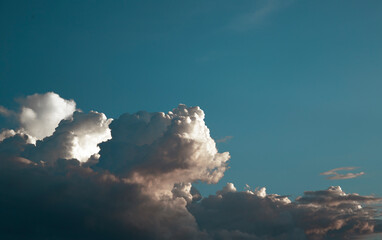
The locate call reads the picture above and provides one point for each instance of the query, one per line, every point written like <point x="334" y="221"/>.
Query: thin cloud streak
<point x="257" y="16"/>
<point x="340" y="176"/>
<point x="5" y="112"/>
<point x="224" y="139"/>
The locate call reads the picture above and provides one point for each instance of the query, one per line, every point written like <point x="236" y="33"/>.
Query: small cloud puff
<point x="225" y="139"/>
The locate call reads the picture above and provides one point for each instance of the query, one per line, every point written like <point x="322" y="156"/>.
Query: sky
<point x="291" y="89"/>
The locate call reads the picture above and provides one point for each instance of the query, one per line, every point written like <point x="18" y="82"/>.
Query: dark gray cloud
<point x="65" y="202"/>
<point x="68" y="201"/>
<point x="327" y="214"/>
<point x="80" y="182"/>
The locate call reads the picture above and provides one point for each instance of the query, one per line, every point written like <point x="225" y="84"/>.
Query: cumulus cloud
<point x="157" y="155"/>
<point x="161" y="149"/>
<point x="6" y="134"/>
<point x="131" y="178"/>
<point x="41" y="113"/>
<point x="76" y="138"/>
<point x="66" y="200"/>
<point x="334" y="175"/>
<point x="67" y="133"/>
<point x="327" y="214"/>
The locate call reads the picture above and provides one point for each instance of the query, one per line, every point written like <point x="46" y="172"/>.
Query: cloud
<point x="346" y="176"/>
<point x="76" y="138"/>
<point x="338" y="176"/>
<point x="6" y="134"/>
<point x="63" y="199"/>
<point x="327" y="214"/>
<point x="159" y="154"/>
<point x="5" y="112"/>
<point x="225" y="139"/>
<point x="260" y="13"/>
<point x="41" y="113"/>
<point x="161" y="149"/>
<point x="67" y="201"/>
<point x="69" y="133"/>
<point x="131" y="178"/>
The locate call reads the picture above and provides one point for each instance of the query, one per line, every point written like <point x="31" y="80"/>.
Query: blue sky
<point x="295" y="83"/>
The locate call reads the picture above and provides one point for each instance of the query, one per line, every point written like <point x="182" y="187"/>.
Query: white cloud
<point x="76" y="138"/>
<point x="68" y="134"/>
<point x="41" y="113"/>
<point x="229" y="187"/>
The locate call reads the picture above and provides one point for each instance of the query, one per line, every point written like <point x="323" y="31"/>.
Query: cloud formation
<point x="41" y="113"/>
<point x="160" y="149"/>
<point x="131" y="178"/>
<point x="327" y="214"/>
<point x="334" y="175"/>
<point x="58" y="130"/>
<point x="76" y="138"/>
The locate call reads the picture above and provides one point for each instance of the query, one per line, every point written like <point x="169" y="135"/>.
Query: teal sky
<point x="297" y="84"/>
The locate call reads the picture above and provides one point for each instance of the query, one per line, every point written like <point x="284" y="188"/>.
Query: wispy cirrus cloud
<point x="256" y="16"/>
<point x="5" y="112"/>
<point x="334" y="175"/>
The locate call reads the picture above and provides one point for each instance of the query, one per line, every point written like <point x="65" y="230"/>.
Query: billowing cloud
<point x="160" y="149"/>
<point x="334" y="175"/>
<point x="67" y="201"/>
<point x="41" y="113"/>
<point x="6" y="134"/>
<point x="76" y="138"/>
<point x="131" y="178"/>
<point x="68" y="133"/>
<point x="327" y="214"/>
